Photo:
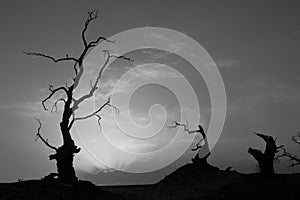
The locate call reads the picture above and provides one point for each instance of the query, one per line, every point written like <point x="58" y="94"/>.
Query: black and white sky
<point x="255" y="44"/>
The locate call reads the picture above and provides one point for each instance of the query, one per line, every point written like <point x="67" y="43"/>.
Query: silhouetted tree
<point x="295" y="160"/>
<point x="202" y="147"/>
<point x="266" y="159"/>
<point x="64" y="154"/>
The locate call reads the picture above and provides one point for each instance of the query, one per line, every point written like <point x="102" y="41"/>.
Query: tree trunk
<point x="64" y="157"/>
<point x="265" y="159"/>
<point x="64" y="162"/>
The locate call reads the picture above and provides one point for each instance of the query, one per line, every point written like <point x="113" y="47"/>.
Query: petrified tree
<point x="266" y="159"/>
<point x="64" y="154"/>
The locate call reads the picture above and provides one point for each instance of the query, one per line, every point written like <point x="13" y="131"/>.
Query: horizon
<point x="255" y="46"/>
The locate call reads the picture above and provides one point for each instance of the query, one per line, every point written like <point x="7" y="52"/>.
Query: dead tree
<point x="64" y="154"/>
<point x="266" y="159"/>
<point x="294" y="159"/>
<point x="202" y="144"/>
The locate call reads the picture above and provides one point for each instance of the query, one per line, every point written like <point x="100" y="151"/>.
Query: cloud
<point x="227" y="63"/>
<point x="159" y="36"/>
<point x="26" y="109"/>
<point x="177" y="46"/>
<point x="108" y="87"/>
<point x="148" y="71"/>
<point x="256" y="93"/>
<point x="34" y="107"/>
<point x="173" y="45"/>
<point x="137" y="145"/>
<point x="156" y="54"/>
<point x="223" y="63"/>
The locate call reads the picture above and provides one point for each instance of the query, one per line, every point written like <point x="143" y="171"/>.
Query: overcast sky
<point x="255" y="44"/>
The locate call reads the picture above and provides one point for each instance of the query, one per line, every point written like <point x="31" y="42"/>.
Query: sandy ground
<point x="187" y="182"/>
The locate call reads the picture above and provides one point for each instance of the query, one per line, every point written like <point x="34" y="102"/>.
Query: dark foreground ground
<point x="187" y="182"/>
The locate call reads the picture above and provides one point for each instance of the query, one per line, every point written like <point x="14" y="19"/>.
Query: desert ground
<point x="188" y="182"/>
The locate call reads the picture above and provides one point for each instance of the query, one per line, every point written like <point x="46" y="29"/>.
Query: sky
<point x="254" y="44"/>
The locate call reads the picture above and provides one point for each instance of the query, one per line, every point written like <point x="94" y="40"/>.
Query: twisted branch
<point x="186" y="128"/>
<point x="95" y="113"/>
<point x="56" y="60"/>
<point x="295" y="160"/>
<point x="72" y="104"/>
<point x="198" y="146"/>
<point x="107" y="103"/>
<point x="91" y="16"/>
<point x="94" y="86"/>
<point x="53" y="91"/>
<point x="54" y="107"/>
<point x="95" y="42"/>
<point x="39" y="136"/>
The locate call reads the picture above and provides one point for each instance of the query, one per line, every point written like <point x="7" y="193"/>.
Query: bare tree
<point x="202" y="144"/>
<point x="266" y="159"/>
<point x="295" y="160"/>
<point x="64" y="154"/>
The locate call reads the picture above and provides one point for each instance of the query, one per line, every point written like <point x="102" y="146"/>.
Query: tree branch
<point x="53" y="91"/>
<point x="109" y="55"/>
<point x="94" y="114"/>
<point x="54" y="107"/>
<point x="94" y="86"/>
<point x="93" y="43"/>
<point x="39" y="136"/>
<point x="91" y="16"/>
<point x="98" y="120"/>
<point x="198" y="146"/>
<point x="67" y="58"/>
<point x="97" y="111"/>
<point x="293" y="158"/>
<point x="186" y="128"/>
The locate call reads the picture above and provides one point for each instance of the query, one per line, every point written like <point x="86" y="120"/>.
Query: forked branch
<point x="39" y="136"/>
<point x="109" y="55"/>
<point x="186" y="128"/>
<point x="52" y="92"/>
<point x="107" y="103"/>
<point x="78" y="62"/>
<point x="100" y="38"/>
<point x="54" y="107"/>
<point x="72" y="104"/>
<point x="95" y="113"/>
<point x="198" y="145"/>
<point x="295" y="160"/>
<point x="94" y="85"/>
<point x="91" y="16"/>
